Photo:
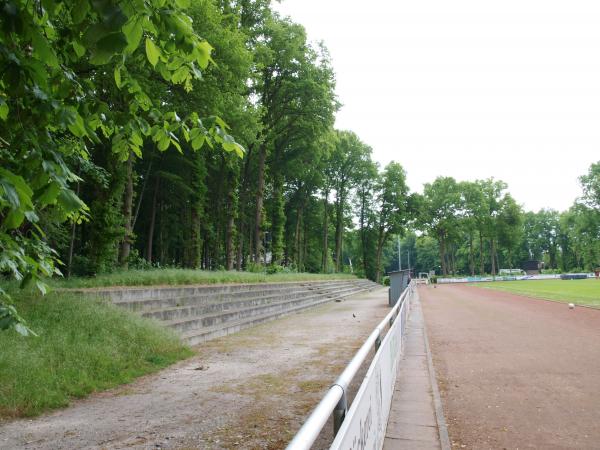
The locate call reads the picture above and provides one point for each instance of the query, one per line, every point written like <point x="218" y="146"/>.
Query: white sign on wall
<point x="366" y="421"/>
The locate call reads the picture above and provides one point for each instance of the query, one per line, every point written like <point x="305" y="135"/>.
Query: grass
<point x="88" y="345"/>
<point x="84" y="346"/>
<point x="187" y="276"/>
<point x="582" y="292"/>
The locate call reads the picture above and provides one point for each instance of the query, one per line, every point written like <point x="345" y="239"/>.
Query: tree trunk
<point x="493" y="255"/>
<point x="163" y="240"/>
<point x="277" y="220"/>
<point x="325" y="230"/>
<point x="149" y="244"/>
<point x="380" y="242"/>
<point x="127" y="216"/>
<point x="297" y="249"/>
<point x="471" y="256"/>
<point x="141" y="196"/>
<point x="243" y="226"/>
<point x="363" y="233"/>
<point x="302" y="250"/>
<point x="305" y="241"/>
<point x="259" y="203"/>
<point x="197" y="205"/>
<point x="230" y="227"/>
<point x="481" y="268"/>
<point x="72" y="243"/>
<point x="239" y="265"/>
<point x="443" y="254"/>
<point x="195" y="258"/>
<point x="339" y="231"/>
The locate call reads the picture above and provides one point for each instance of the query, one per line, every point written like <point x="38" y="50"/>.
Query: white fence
<point x="503" y="278"/>
<point x="366" y="421"/>
<point x="363" y="425"/>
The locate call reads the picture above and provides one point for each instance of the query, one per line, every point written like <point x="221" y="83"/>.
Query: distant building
<point x="510" y="272"/>
<point x="532" y="267"/>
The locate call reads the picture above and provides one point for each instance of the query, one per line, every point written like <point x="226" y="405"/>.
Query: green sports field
<point x="582" y="292"/>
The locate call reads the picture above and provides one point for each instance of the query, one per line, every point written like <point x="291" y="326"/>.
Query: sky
<point x="469" y="88"/>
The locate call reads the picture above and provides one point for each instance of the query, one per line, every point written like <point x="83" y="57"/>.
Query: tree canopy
<point x="117" y="150"/>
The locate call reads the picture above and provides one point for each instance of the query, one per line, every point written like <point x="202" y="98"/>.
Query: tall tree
<point x="345" y="161"/>
<point x="393" y="208"/>
<point x="442" y="206"/>
<point x="50" y="112"/>
<point x="295" y="90"/>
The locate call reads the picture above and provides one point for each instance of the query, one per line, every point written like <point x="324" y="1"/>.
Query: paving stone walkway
<point x="413" y="422"/>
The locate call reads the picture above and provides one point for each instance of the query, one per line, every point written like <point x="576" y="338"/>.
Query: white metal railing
<point x="335" y="400"/>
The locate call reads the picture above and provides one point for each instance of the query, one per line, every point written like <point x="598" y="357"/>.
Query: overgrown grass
<point x="84" y="345"/>
<point x="187" y="276"/>
<point x="583" y="292"/>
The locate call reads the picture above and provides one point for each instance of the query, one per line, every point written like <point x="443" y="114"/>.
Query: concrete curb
<point x="437" y="400"/>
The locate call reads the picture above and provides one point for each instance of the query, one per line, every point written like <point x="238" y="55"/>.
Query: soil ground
<point x="249" y="390"/>
<point x="514" y="372"/>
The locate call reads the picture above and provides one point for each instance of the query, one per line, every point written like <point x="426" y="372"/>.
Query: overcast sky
<point x="469" y="88"/>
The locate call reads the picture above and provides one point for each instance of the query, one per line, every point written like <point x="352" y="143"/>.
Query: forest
<point x="172" y="133"/>
<point x="476" y="228"/>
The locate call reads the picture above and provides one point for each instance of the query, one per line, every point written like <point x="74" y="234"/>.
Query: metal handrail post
<point x="339" y="413"/>
<point x="309" y="432"/>
<point x="377" y="342"/>
<point x="335" y="400"/>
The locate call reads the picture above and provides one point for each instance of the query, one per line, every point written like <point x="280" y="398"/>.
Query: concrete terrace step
<point x="151" y="292"/>
<point x="209" y="320"/>
<point x="214" y="318"/>
<point x="197" y="336"/>
<point x="199" y="313"/>
<point x="174" y="312"/>
<point x="202" y="298"/>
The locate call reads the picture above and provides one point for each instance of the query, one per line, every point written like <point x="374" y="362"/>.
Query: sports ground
<point x="582" y="292"/>
<point x="515" y="371"/>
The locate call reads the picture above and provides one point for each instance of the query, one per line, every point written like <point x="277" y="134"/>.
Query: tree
<point x="510" y="223"/>
<point x="349" y="155"/>
<point x="366" y="184"/>
<point x="427" y="254"/>
<point x="63" y="64"/>
<point x="473" y="220"/>
<point x="295" y="90"/>
<point x="442" y="206"/>
<point x="590" y="183"/>
<point x="393" y="208"/>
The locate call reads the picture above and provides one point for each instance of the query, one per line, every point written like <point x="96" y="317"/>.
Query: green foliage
<point x="51" y="113"/>
<point x="590" y="183"/>
<point x="94" y="93"/>
<point x="84" y="346"/>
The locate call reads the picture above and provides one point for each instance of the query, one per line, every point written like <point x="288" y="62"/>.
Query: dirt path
<point x="514" y="372"/>
<point x="248" y="390"/>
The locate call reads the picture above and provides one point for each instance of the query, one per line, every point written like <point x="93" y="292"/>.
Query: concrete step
<point x="215" y="318"/>
<point x="200" y="313"/>
<point x="196" y="309"/>
<point x="197" y="336"/>
<point x="151" y="304"/>
<point x="152" y="292"/>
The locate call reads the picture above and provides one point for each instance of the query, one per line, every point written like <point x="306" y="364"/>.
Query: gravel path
<point x="514" y="372"/>
<point x="252" y="389"/>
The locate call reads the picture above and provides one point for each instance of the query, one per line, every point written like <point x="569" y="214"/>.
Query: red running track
<point x="514" y="372"/>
